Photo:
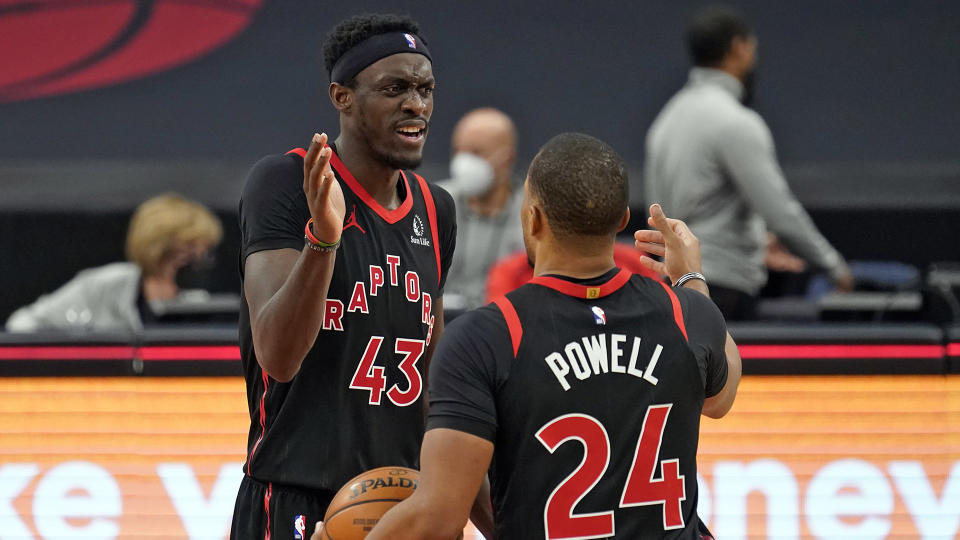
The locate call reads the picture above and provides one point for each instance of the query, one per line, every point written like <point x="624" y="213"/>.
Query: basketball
<point x="362" y="501"/>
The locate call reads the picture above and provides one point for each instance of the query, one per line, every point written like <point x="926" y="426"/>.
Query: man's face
<point x="489" y="142"/>
<point x="394" y="102"/>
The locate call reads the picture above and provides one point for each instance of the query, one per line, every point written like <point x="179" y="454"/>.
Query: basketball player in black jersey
<point x="582" y="390"/>
<point x="343" y="259"/>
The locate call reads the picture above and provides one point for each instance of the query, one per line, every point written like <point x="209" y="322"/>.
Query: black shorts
<point x="268" y="511"/>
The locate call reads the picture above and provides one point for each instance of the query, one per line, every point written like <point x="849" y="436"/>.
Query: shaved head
<point x="480" y="129"/>
<point x="490" y="134"/>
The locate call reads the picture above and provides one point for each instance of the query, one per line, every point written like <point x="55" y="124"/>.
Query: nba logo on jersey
<point x="412" y="43"/>
<point x="599" y="316"/>
<point x="299" y="527"/>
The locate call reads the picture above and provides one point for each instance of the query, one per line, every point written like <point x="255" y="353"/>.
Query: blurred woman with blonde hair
<point x="167" y="233"/>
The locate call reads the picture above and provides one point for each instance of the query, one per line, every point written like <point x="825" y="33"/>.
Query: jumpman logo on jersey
<point x="352" y="221"/>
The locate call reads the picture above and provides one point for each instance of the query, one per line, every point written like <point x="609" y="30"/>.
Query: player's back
<point x="597" y="414"/>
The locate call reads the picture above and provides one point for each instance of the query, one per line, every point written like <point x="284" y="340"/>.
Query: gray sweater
<point x="98" y="299"/>
<point x="710" y="161"/>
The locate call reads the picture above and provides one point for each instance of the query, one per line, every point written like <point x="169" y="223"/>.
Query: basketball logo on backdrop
<point x="411" y="42"/>
<point x="299" y="527"/>
<point x="115" y="41"/>
<point x="599" y="316"/>
<point x="418" y="231"/>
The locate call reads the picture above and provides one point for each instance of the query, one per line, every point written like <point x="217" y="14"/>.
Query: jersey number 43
<point x="370" y="377"/>
<point x="640" y="489"/>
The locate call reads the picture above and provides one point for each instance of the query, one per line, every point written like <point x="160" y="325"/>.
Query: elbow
<point x="279" y="371"/>
<point x="717" y="411"/>
<point x="279" y="356"/>
<point x="280" y="376"/>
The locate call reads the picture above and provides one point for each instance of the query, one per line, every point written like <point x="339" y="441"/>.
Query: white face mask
<point x="471" y="174"/>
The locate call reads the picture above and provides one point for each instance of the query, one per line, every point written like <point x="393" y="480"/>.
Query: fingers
<point x="674" y="231"/>
<point x="658" y="220"/>
<point x="316" y="161"/>
<point x="654" y="265"/>
<point x="326" y="180"/>
<point x="648" y="235"/>
<point x="320" y="174"/>
<point x="313" y="152"/>
<point x="651" y="248"/>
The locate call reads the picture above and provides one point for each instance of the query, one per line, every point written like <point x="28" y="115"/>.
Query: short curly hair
<point x="353" y="30"/>
<point x="582" y="184"/>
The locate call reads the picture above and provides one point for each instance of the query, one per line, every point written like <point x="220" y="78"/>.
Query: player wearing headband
<point x="343" y="258"/>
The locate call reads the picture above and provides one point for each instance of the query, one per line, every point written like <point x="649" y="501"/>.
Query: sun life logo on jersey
<point x="418" y="230"/>
<point x="599" y="316"/>
<point x="299" y="527"/>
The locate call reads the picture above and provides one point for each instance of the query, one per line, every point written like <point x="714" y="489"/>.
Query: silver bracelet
<point x="323" y="249"/>
<point x="687" y="277"/>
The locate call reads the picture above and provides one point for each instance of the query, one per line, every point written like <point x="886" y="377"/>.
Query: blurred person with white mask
<point x="484" y="146"/>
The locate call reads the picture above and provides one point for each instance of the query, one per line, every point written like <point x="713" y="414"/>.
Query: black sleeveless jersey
<point x="591" y="393"/>
<point x="357" y="402"/>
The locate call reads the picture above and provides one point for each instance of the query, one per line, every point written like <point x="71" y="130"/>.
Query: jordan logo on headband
<point x="412" y="43"/>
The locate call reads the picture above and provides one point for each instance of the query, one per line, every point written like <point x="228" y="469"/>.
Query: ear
<point x="341" y="97"/>
<point x="538" y="220"/>
<point x="740" y="49"/>
<point x="624" y="221"/>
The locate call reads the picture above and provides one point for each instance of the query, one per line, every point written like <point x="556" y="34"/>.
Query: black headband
<point x="372" y="49"/>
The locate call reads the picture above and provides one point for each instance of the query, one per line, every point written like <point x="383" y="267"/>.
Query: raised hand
<point x="324" y="196"/>
<point x="670" y="239"/>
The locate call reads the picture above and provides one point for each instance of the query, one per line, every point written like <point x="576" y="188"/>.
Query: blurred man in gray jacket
<point x="710" y="161"/>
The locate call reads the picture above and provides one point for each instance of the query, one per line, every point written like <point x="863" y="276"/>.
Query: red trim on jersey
<point x="953" y="349"/>
<point x="390" y="216"/>
<point x="299" y="151"/>
<point x="677" y="310"/>
<point x="266" y="507"/>
<point x="584" y="291"/>
<point x="513" y="321"/>
<point x="432" y="218"/>
<point x="263" y="420"/>
<point x="841" y="351"/>
<point x="55" y="352"/>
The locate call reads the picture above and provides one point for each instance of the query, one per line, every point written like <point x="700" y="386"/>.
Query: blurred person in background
<point x="511" y="272"/>
<point x="168" y="234"/>
<point x="710" y="161"/>
<point x="484" y="148"/>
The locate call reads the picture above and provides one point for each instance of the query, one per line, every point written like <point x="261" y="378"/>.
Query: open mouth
<point x="412" y="133"/>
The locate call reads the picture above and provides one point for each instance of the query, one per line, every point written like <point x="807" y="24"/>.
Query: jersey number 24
<point x="640" y="489"/>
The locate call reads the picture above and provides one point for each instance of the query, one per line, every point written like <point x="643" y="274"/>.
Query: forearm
<point x="720" y="404"/>
<point x="414" y="519"/>
<point x="286" y="325"/>
<point x="481" y="514"/>
<point x="795" y="229"/>
<point x="698" y="285"/>
<point x="762" y="183"/>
